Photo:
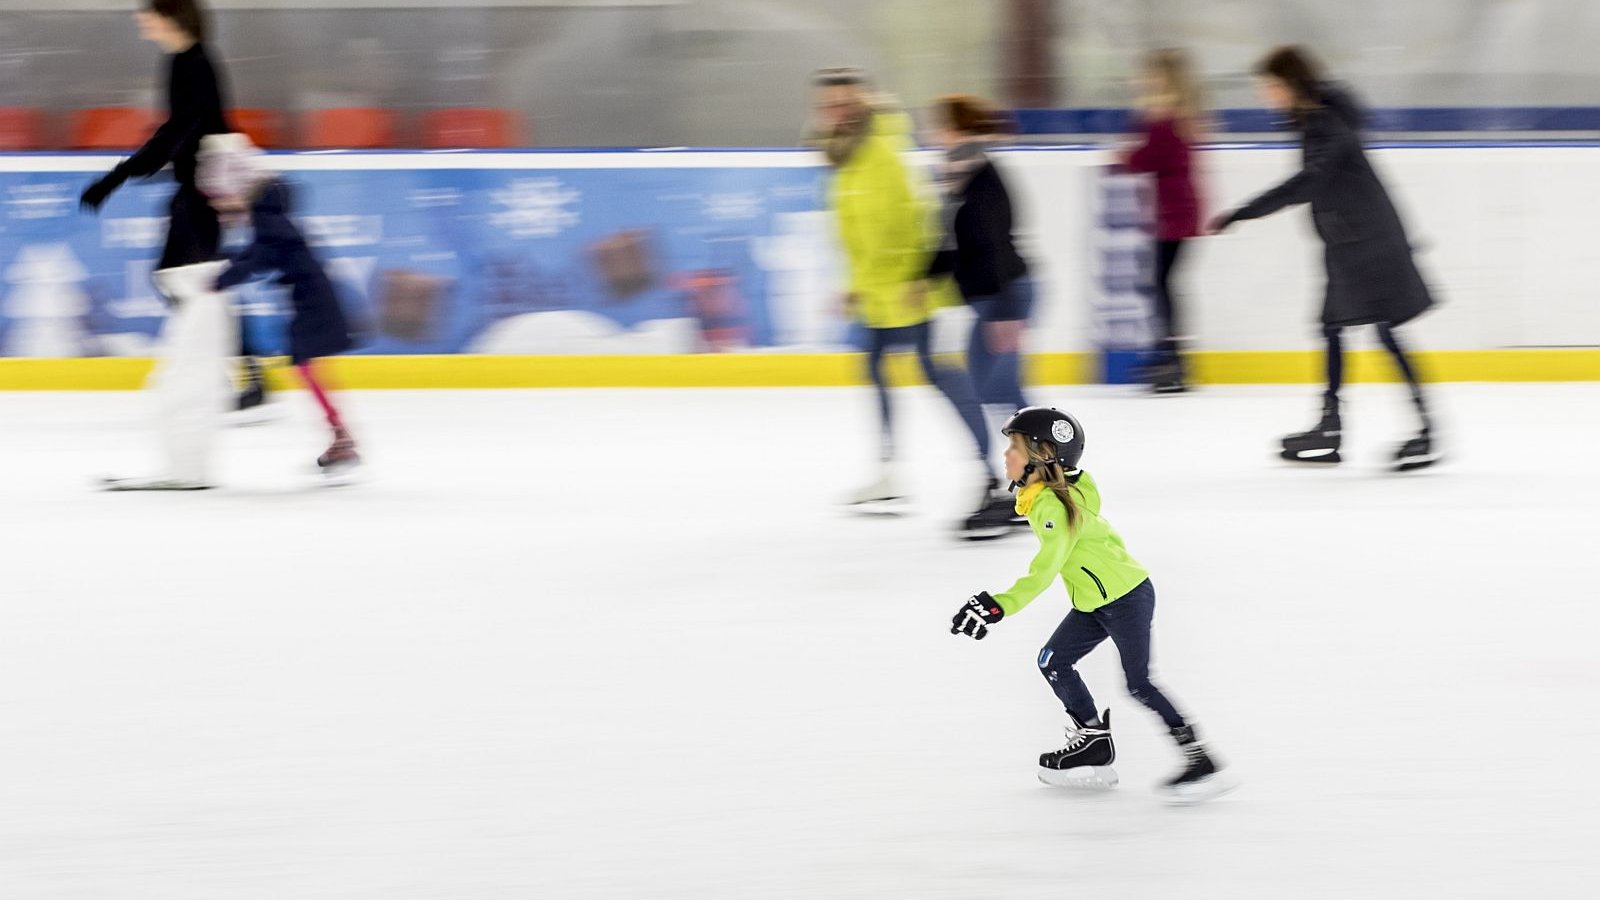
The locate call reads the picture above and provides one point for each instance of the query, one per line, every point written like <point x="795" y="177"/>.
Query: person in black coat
<point x="196" y="99"/>
<point x="978" y="251"/>
<point x="1371" y="276"/>
<point x="235" y="180"/>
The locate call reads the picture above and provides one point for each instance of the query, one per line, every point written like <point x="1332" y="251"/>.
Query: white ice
<point x="619" y="644"/>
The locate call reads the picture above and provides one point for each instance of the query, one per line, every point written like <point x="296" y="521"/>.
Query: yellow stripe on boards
<point x="807" y="370"/>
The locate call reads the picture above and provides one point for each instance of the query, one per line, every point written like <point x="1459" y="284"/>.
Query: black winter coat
<point x="318" y="326"/>
<point x="1371" y="274"/>
<point x="983" y="258"/>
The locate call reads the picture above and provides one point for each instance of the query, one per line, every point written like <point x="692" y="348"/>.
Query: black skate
<point x="1167" y="378"/>
<point x="995" y="518"/>
<point x="1320" y="444"/>
<point x="1201" y="779"/>
<point x="1417" y="453"/>
<point x="1085" y="761"/>
<point x="250" y="406"/>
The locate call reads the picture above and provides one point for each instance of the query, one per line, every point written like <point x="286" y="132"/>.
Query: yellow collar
<point x="1027" y="496"/>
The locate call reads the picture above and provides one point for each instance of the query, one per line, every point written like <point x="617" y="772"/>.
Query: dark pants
<point x="1167" y="253"/>
<point x="997" y="376"/>
<point x="194" y="235"/>
<point x="953" y="383"/>
<point x="1335" y="363"/>
<point x="1127" y="622"/>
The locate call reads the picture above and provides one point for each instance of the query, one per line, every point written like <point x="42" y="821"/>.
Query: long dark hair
<point x="970" y="114"/>
<point x="186" y="14"/>
<point x="1295" y="67"/>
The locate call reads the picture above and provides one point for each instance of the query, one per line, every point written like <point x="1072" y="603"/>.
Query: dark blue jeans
<point x="1127" y="622"/>
<point x="997" y="376"/>
<point x="951" y="382"/>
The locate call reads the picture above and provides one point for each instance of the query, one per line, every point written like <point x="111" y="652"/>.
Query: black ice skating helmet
<point x="1041" y="424"/>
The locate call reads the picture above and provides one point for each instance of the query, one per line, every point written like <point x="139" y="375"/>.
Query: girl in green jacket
<point x="1111" y="597"/>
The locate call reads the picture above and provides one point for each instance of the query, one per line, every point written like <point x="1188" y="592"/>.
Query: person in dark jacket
<point x="234" y="178"/>
<point x="1372" y="278"/>
<point x="196" y="98"/>
<point x="979" y="252"/>
<point x="1170" y="119"/>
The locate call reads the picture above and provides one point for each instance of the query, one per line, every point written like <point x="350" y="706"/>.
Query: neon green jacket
<point x="1090" y="558"/>
<point x="886" y="227"/>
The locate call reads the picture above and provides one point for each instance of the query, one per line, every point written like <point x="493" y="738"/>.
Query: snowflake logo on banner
<point x="736" y="206"/>
<point x="535" y="207"/>
<point x="1061" y="430"/>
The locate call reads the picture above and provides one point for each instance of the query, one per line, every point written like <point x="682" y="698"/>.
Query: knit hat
<point x="230" y="166"/>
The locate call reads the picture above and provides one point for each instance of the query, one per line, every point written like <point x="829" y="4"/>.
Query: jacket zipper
<point x="1097" y="583"/>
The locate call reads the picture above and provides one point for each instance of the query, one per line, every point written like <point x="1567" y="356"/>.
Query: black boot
<point x="994" y="516"/>
<point x="1201" y="778"/>
<point x="1166" y="376"/>
<point x="1320" y="444"/>
<point x="255" y="388"/>
<point x="1086" y="759"/>
<point x="1417" y="453"/>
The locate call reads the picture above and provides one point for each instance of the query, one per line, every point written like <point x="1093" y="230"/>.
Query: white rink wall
<point x="1504" y="236"/>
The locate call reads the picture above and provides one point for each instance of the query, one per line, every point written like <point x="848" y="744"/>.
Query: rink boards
<point x="708" y="268"/>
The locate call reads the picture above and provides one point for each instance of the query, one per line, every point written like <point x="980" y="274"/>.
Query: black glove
<point x="976" y="615"/>
<point x="94" y="196"/>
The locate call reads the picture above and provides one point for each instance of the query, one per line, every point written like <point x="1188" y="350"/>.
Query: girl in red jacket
<point x="1170" y="115"/>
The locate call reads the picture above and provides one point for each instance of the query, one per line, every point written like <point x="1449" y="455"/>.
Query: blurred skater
<point x="888" y="238"/>
<point x="993" y="277"/>
<point x="1372" y="278"/>
<point x="1169" y="114"/>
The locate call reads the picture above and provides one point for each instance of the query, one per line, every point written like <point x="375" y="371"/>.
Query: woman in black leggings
<point x="1372" y="279"/>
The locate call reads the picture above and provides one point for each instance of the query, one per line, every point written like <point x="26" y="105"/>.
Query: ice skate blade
<point x="1209" y="788"/>
<point x="150" y="484"/>
<point x="1328" y="458"/>
<point x="986" y="533"/>
<point x="260" y="414"/>
<point x="888" y="507"/>
<point x="1413" y="463"/>
<point x="341" y="474"/>
<point x="1088" y="778"/>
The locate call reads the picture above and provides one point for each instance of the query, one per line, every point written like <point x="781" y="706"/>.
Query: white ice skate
<point x="882" y="497"/>
<point x="151" y="484"/>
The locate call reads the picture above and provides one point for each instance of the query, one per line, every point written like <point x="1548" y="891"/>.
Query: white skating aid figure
<point x="191" y="381"/>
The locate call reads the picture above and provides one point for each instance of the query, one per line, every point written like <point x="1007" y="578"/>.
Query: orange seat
<point x="21" y="128"/>
<point x="264" y="127"/>
<point x="469" y="127"/>
<point x="111" y="128"/>
<point x="355" y="128"/>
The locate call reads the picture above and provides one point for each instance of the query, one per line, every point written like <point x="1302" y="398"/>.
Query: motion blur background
<point x="1482" y="110"/>
<point x="617" y="643"/>
<point x="732" y="73"/>
<point x="1484" y="105"/>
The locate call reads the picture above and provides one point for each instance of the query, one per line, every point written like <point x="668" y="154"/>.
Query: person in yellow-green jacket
<point x="889" y="236"/>
<point x="1111" y="596"/>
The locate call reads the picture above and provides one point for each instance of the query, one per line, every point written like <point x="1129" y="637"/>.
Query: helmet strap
<point x="1023" y="479"/>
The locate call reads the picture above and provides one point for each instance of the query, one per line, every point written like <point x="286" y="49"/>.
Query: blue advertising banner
<point x="515" y="258"/>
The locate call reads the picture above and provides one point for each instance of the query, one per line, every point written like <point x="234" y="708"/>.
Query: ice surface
<point x="621" y="644"/>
